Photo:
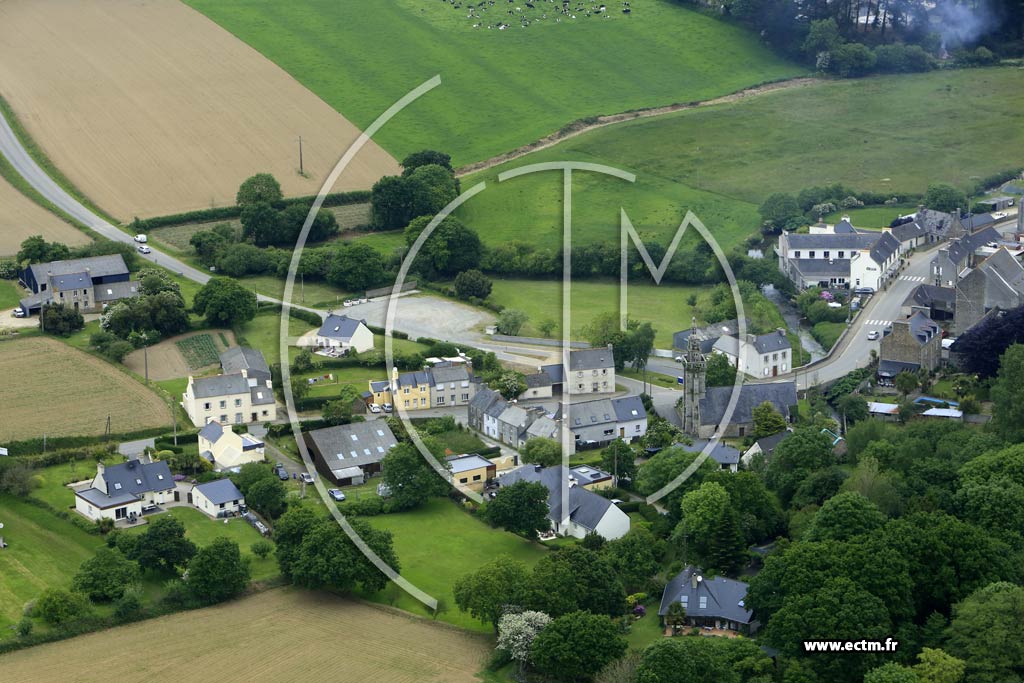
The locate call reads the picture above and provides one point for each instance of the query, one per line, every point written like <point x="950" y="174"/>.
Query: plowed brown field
<point x="150" y="108"/>
<point x="278" y="636"/>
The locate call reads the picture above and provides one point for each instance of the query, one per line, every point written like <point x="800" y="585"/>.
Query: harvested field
<point x="21" y="218"/>
<point x="166" y="360"/>
<point x="149" y="108"/>
<point x="62" y="391"/>
<point x="280" y="635"/>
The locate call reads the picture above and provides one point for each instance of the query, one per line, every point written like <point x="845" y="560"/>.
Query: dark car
<point x="282" y="473"/>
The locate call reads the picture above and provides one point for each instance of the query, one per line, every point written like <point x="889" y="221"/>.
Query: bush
<point x="472" y="284"/>
<point x="24" y="627"/>
<point x="262" y="549"/>
<point x="130" y="603"/>
<point x="57" y="606"/>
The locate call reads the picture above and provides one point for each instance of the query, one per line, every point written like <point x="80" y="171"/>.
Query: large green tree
<point x="575" y="646"/>
<point x="521" y="508"/>
<point x="355" y="267"/>
<point x="163" y="546"/>
<point x="218" y="572"/>
<point x="1008" y="395"/>
<point x="945" y="197"/>
<point x="260" y="188"/>
<point x="619" y="459"/>
<point x="541" y="451"/>
<point x="985" y="633"/>
<point x="410" y="478"/>
<point x="767" y="420"/>
<point x="844" y="516"/>
<point x="105" y="575"/>
<point x="727" y="552"/>
<point x="694" y="660"/>
<point x="225" y="302"/>
<point x="267" y="497"/>
<point x="326" y="557"/>
<point x="495" y="586"/>
<point x="576" y="578"/>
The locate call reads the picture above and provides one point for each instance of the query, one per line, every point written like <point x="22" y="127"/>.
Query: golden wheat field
<point x="149" y="108"/>
<point x="55" y="389"/>
<point x="277" y="636"/>
<point x="20" y="217"/>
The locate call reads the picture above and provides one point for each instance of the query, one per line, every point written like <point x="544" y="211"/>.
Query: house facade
<point x="443" y="385"/>
<point x="603" y="420"/>
<point x="590" y="371"/>
<point x="87" y="285"/>
<point x="225" y="449"/>
<point x="716" y="602"/>
<point x="471" y="471"/>
<point x="229" y="399"/>
<point x="220" y="498"/>
<point x="995" y="283"/>
<point x="913" y="344"/>
<point x="340" y="332"/>
<point x="120" y="491"/>
<point x="839" y="258"/>
<point x="757" y="355"/>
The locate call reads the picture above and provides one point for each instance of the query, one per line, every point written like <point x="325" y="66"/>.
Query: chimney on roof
<point x="100" y="467"/>
<point x="694" y="579"/>
<point x="782" y="332"/>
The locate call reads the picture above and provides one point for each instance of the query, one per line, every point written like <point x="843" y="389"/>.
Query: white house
<point x="758" y="355"/>
<point x="847" y="258"/>
<point x="237" y="398"/>
<point x="225" y="449"/>
<point x="220" y="498"/>
<point x="126" y="490"/>
<point x="340" y="332"/>
<point x="585" y="511"/>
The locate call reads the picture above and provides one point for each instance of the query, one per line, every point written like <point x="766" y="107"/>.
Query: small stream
<point x="792" y="317"/>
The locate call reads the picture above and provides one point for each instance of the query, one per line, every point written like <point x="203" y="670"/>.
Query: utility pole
<point x="302" y="171"/>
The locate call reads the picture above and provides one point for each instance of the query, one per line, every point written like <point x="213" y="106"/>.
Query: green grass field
<point x="264" y="333"/>
<point x="436" y="545"/>
<point x="871" y="216"/>
<point x="202" y="530"/>
<point x="500" y="88"/>
<point x="306" y="293"/>
<point x="664" y="306"/>
<point x="44" y="551"/>
<point x="10" y="295"/>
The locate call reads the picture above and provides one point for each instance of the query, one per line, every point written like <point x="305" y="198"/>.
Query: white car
<point x="141" y="239"/>
<point x="306" y="478"/>
<point x="18" y="313"/>
<point x="374" y="408"/>
<point x="872" y="335"/>
<point x="387" y="407"/>
<point x="143" y="249"/>
<point x="346" y="303"/>
<point x="336" y="494"/>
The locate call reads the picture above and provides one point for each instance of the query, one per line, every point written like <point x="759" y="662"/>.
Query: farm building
<point x="88" y="284"/>
<point x="471" y="471"/>
<point x="348" y="454"/>
<point x="583" y="513"/>
<point x="221" y="446"/>
<point x="120" y="492"/>
<point x="219" y="498"/>
<point x="709" y="602"/>
<point x="340" y="332"/>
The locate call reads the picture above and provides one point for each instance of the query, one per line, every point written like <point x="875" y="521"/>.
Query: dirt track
<point x="149" y="108"/>
<point x="20" y="217"/>
<point x="579" y="128"/>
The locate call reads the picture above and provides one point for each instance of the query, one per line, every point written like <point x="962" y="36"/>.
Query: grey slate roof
<point x="261" y="395"/>
<point x="722" y="453"/>
<point x="352" y="445"/>
<point x="591" y="359"/>
<point x="891" y="368"/>
<point x="586" y="508"/>
<point x="444" y="373"/>
<point x="220" y="491"/>
<point x="540" y="379"/>
<point x="725" y="598"/>
<point x="821" y="267"/>
<point x="136" y="477"/>
<point x="921" y="326"/>
<point x="114" y="291"/>
<point x="71" y="281"/>
<point x="844" y="227"/>
<point x="380" y="385"/>
<point x="554" y="371"/>
<point x="212" y="431"/>
<point x="239" y="358"/>
<point x="930" y="295"/>
<point x="589" y="413"/>
<point x="219" y="385"/>
<point x="413" y="379"/>
<point x="908" y="231"/>
<point x="782" y="395"/>
<point x="768" y="443"/>
<point x="859" y="240"/>
<point x="628" y="408"/>
<point x="96" y="266"/>
<point x="543" y="427"/>
<point x="771" y="342"/>
<point x="978" y="221"/>
<point x="464" y="463"/>
<point x="339" y="327"/>
<point x="884" y="248"/>
<point x="516" y="417"/>
<point x="103" y="501"/>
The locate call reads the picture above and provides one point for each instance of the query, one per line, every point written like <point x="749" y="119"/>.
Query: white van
<point x="141" y="239"/>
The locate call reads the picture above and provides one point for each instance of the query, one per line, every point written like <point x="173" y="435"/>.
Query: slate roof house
<point x="758" y="355"/>
<point x="239" y="358"/>
<point x="949" y="264"/>
<point x="912" y="344"/>
<point x="938" y="303"/>
<point x="348" y="454"/>
<point x="591" y="371"/>
<point x="995" y="283"/>
<point x="122" y="491"/>
<point x="584" y="511"/>
<point x="220" y="498"/>
<point x="711" y="602"/>
<point x="839" y="259"/>
<point x="236" y="398"/>
<point x="227" y="450"/>
<point x="727" y="457"/>
<point x="471" y="470"/>
<point x="765" y="446"/>
<point x="484" y="409"/>
<point x="782" y="396"/>
<point x="88" y="284"/>
<point x="443" y="385"/>
<point x="606" y="419"/>
<point x="340" y="332"/>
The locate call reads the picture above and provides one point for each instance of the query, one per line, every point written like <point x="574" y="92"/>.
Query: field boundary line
<point x="585" y="125"/>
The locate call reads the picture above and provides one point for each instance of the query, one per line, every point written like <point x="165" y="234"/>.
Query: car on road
<point x="143" y="249"/>
<point x="141" y="239"/>
<point x="306" y="478"/>
<point x="374" y="408"/>
<point x="872" y="335"/>
<point x="864" y="290"/>
<point x="336" y="494"/>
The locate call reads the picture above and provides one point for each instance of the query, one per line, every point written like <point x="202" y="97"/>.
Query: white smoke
<point x="961" y="24"/>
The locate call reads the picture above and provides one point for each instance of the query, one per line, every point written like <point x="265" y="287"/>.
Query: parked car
<point x="336" y="494"/>
<point x="347" y="303"/>
<point x="18" y="313"/>
<point x="143" y="249"/>
<point x="374" y="408"/>
<point x="306" y="478"/>
<point x="282" y="473"/>
<point x="387" y="407"/>
<point x="141" y="239"/>
<point x="864" y="290"/>
<point x="872" y="335"/>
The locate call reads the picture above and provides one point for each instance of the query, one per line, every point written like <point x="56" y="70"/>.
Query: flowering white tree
<point x="516" y="631"/>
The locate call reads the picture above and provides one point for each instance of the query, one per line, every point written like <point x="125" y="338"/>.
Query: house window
<point x="406" y="390"/>
<point x="406" y="404"/>
<point x="465" y="397"/>
<point x="440" y="400"/>
<point x="766" y="358"/>
<point x="637" y="428"/>
<point x="265" y="413"/>
<point x="423" y="401"/>
<point x="223" y="404"/>
<point x="238" y="418"/>
<point x="810" y="254"/>
<point x="775" y="356"/>
<point x="703" y="602"/>
<point x="223" y="418"/>
<point x="827" y="254"/>
<point x="120" y="513"/>
<point x="463" y="480"/>
<point x="206" y="406"/>
<point x="476" y="477"/>
<point x="238" y="403"/>
<point x="222" y="506"/>
<point x="842" y="254"/>
<point x="595" y="373"/>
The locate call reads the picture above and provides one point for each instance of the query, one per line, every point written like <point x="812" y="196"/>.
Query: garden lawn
<point x="202" y="530"/>
<point x="872" y="216"/>
<point x="500" y="89"/>
<point x="10" y="296"/>
<point x="357" y="376"/>
<point x="311" y="294"/>
<point x="437" y="544"/>
<point x="44" y="551"/>
<point x="264" y="333"/>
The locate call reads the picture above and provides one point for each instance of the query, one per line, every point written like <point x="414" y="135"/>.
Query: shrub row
<point x="35" y="446"/>
<point x="230" y="212"/>
<point x="68" y="516"/>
